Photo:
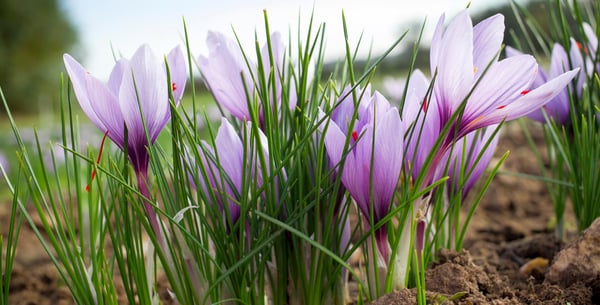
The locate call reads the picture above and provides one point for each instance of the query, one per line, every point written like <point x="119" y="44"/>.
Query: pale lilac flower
<point x="559" y="107"/>
<point x="372" y="160"/>
<point x="134" y="84"/>
<point x="231" y="158"/>
<point x="465" y="60"/>
<point x="231" y="77"/>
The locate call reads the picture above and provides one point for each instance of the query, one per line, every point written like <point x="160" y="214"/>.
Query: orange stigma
<point x="87" y="187"/>
<point x="173" y="86"/>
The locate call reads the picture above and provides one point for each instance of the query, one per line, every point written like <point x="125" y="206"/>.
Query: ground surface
<point x="511" y="228"/>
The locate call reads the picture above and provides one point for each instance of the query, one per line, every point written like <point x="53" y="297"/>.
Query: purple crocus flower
<point x="559" y="107"/>
<point x="236" y="161"/>
<point x="461" y="53"/>
<point x="373" y="159"/>
<point x="464" y="59"/>
<point x="230" y="76"/>
<point x="138" y="83"/>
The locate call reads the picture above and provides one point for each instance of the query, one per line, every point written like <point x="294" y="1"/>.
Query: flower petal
<point x="79" y="77"/>
<point x="529" y="102"/>
<point x="178" y="73"/>
<point x="105" y="107"/>
<point x="487" y="41"/>
<point x="230" y="150"/>
<point x="387" y="161"/>
<point x="335" y="141"/>
<point x="145" y="87"/>
<point x="455" y="63"/>
<point x="222" y="72"/>
<point x="501" y="84"/>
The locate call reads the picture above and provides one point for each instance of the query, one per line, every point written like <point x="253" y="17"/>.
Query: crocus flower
<point x="559" y="107"/>
<point x="465" y="58"/>
<point x="230" y="76"/>
<point x="372" y="160"/>
<point x="135" y="84"/>
<point x="234" y="160"/>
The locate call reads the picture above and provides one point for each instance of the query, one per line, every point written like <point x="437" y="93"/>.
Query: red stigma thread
<point x="500" y="107"/>
<point x="173" y="86"/>
<point x="87" y="187"/>
<point x="581" y="47"/>
<point x="425" y="105"/>
<point x="355" y="135"/>
<point x="525" y="92"/>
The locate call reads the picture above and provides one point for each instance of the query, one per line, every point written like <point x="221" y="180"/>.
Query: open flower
<point x="136" y="84"/>
<point x="465" y="59"/>
<point x="372" y="160"/>
<point x="471" y="79"/>
<point x="231" y="76"/>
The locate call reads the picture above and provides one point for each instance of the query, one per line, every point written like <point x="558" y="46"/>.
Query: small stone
<point x="578" y="262"/>
<point x="537" y="264"/>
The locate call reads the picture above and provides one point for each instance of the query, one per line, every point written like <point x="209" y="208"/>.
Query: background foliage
<point x="33" y="36"/>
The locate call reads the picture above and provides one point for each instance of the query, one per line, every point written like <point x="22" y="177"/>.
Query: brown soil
<point x="507" y="250"/>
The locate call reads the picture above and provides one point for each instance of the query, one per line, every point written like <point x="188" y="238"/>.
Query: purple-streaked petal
<point x="487" y="40"/>
<point x="79" y="76"/>
<point x="145" y="87"/>
<point x="559" y="61"/>
<point x="378" y="107"/>
<point x="436" y="41"/>
<point x="502" y="83"/>
<point x="415" y="95"/>
<point x="178" y="73"/>
<point x="222" y="72"/>
<point x="344" y="111"/>
<point x="577" y="62"/>
<point x="542" y="76"/>
<point x="528" y="102"/>
<point x="455" y="63"/>
<point x="510" y="51"/>
<point x="355" y="175"/>
<point x="231" y="150"/>
<point x="115" y="78"/>
<point x="387" y="161"/>
<point x="558" y="107"/>
<point x="335" y="141"/>
<point x="255" y="140"/>
<point x="105" y="109"/>
<point x="385" y="156"/>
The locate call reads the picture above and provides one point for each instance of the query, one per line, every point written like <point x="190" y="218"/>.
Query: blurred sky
<point x="125" y="25"/>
